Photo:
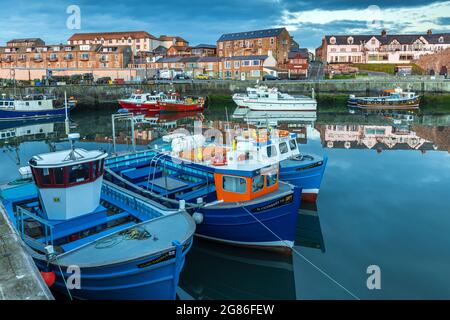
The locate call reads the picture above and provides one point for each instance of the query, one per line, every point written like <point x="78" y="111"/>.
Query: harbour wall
<point x="93" y="95"/>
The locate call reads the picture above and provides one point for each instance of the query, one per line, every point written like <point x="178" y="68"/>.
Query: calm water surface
<point x="384" y="200"/>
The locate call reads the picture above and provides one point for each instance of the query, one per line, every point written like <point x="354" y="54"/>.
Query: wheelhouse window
<point x="234" y="184"/>
<point x="59" y="176"/>
<point x="271" y="179"/>
<point x="283" y="148"/>
<point x="271" y="151"/>
<point x="292" y="144"/>
<point x="79" y="173"/>
<point x="257" y="183"/>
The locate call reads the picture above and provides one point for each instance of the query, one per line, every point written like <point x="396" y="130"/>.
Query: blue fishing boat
<point x="235" y="201"/>
<point x="92" y="239"/>
<point x="32" y="107"/>
<point x="388" y="100"/>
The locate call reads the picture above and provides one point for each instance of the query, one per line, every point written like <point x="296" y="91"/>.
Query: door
<point x="242" y="76"/>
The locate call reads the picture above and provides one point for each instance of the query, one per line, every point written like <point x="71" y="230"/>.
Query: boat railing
<point x="135" y="201"/>
<point x="23" y="214"/>
<point x="151" y="196"/>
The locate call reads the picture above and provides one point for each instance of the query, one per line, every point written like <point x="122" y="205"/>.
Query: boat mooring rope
<point x="62" y="276"/>
<point x="306" y="259"/>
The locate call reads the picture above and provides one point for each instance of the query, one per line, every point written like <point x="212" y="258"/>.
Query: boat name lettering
<point x="277" y="203"/>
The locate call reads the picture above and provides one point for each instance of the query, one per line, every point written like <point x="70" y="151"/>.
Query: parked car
<point x="181" y="76"/>
<point x="269" y="76"/>
<point x="103" y="80"/>
<point x="203" y="77"/>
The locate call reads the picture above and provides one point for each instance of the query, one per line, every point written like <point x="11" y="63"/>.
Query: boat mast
<point x="67" y="114"/>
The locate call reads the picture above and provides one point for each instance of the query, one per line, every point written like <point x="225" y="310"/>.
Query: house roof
<point x="388" y="38"/>
<point x="161" y="49"/>
<point x="170" y="38"/>
<point x="189" y="59"/>
<point x="206" y="46"/>
<point x="111" y="35"/>
<point x="209" y="59"/>
<point x="170" y="59"/>
<point x="181" y="48"/>
<point x="263" y="57"/>
<point x="252" y="34"/>
<point x="302" y="52"/>
<point x="26" y="40"/>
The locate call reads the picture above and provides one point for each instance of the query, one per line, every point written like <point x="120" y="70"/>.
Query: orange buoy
<point x="49" y="278"/>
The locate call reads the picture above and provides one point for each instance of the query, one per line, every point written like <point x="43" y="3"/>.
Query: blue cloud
<point x="199" y="21"/>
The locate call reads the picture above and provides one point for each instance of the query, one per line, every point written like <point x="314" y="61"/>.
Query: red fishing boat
<point x="174" y="102"/>
<point x="140" y="101"/>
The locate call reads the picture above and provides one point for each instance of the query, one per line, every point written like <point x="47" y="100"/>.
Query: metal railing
<point x="23" y="214"/>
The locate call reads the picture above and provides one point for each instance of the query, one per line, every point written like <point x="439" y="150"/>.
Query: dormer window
<point x="333" y="40"/>
<point x="441" y="39"/>
<point x="350" y="40"/>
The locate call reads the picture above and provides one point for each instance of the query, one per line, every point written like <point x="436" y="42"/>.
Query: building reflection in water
<point x="377" y="137"/>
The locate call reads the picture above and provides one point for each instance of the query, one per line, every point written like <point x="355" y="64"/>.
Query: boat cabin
<point x="69" y="182"/>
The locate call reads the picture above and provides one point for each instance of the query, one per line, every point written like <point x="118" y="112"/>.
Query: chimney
<point x="383" y="33"/>
<point x="429" y="32"/>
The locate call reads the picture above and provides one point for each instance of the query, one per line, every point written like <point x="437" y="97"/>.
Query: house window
<point x="332" y="40"/>
<point x="350" y="40"/>
<point x="227" y="64"/>
<point x="246" y="63"/>
<point x="234" y="184"/>
<point x="256" y="62"/>
<point x="237" y="64"/>
<point x="255" y="73"/>
<point x="272" y="41"/>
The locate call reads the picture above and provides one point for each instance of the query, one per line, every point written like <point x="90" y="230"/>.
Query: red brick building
<point x="298" y="64"/>
<point x="260" y="42"/>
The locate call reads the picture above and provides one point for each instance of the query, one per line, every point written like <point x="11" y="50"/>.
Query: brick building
<point x="259" y="42"/>
<point x="245" y="67"/>
<point x="179" y="51"/>
<point x="204" y="50"/>
<point x="139" y="41"/>
<point x="382" y="48"/>
<point x="65" y="56"/>
<point x="168" y="41"/>
<point x="298" y="64"/>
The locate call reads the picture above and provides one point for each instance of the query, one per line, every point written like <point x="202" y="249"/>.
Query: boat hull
<point x="254" y="105"/>
<point x="306" y="174"/>
<point x="21" y="115"/>
<point x="380" y="103"/>
<point x="179" y="107"/>
<point x="132" y="106"/>
<point x="271" y="228"/>
<point x="132" y="280"/>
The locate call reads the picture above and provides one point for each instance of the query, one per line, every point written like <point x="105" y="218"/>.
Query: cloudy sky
<point x="203" y="21"/>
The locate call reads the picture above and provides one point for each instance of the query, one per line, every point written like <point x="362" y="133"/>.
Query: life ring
<point x="216" y="161"/>
<point x="347" y="144"/>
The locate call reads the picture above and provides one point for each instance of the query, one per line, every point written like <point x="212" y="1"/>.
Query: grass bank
<point x="386" y="68"/>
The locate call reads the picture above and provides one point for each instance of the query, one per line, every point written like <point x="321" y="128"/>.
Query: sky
<point x="203" y="21"/>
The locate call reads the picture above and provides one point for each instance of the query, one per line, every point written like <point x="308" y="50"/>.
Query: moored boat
<point x="32" y="107"/>
<point x="388" y="100"/>
<point x="140" y="101"/>
<point x="262" y="98"/>
<point x="234" y="201"/>
<point x="174" y="102"/>
<point x="112" y="243"/>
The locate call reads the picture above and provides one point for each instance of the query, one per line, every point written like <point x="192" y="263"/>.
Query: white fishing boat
<point x="262" y="98"/>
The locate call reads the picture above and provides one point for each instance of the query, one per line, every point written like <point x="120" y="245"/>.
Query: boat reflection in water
<point x="241" y="273"/>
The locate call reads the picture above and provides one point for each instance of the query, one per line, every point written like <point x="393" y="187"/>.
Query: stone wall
<point x="435" y="61"/>
<point x="98" y="94"/>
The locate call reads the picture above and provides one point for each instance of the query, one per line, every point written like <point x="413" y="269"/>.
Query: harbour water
<point x="384" y="201"/>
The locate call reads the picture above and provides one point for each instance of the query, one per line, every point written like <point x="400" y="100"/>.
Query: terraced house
<point x="245" y="67"/>
<point x="256" y="43"/>
<point x="382" y="48"/>
<point x="38" y="55"/>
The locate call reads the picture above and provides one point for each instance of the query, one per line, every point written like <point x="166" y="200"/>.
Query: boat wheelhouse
<point x="262" y="98"/>
<point x="233" y="201"/>
<point x="174" y="102"/>
<point x="140" y="101"/>
<point x="126" y="246"/>
<point x="395" y="99"/>
<point x="32" y="107"/>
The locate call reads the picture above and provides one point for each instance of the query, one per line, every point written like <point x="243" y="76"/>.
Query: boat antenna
<point x="67" y="114"/>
